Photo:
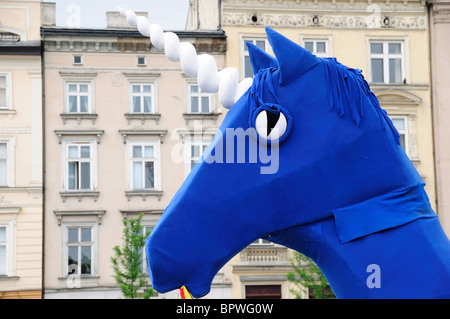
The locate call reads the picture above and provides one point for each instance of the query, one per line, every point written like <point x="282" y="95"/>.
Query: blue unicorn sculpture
<point x="342" y="191"/>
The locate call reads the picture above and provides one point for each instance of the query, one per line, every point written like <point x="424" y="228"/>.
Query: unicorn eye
<point x="270" y="126"/>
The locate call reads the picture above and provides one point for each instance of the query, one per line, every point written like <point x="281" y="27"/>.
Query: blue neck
<point x="393" y="262"/>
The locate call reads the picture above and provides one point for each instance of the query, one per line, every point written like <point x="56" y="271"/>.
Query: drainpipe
<point x="43" y="161"/>
<point x="219" y="27"/>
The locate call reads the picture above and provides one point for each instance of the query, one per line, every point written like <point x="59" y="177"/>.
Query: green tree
<point x="306" y="274"/>
<point x="127" y="261"/>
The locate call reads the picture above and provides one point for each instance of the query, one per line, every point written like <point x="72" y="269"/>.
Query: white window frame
<point x="199" y="95"/>
<point x="188" y="143"/>
<point x="145" y="228"/>
<point x="244" y="51"/>
<point x="65" y="248"/>
<point x="10" y="254"/>
<point x="10" y="160"/>
<point x="78" y="95"/>
<point x="7" y="245"/>
<point x="156" y="144"/>
<point x="8" y="91"/>
<point x="152" y="95"/>
<point x="141" y="57"/>
<point x="81" y="59"/>
<point x="405" y="131"/>
<point x="385" y="56"/>
<point x="65" y="160"/>
<point x="314" y="40"/>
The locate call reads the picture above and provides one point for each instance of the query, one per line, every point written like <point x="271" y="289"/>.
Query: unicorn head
<point x="341" y="173"/>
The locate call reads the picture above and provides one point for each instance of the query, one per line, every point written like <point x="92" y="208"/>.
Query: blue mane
<point x="347" y="88"/>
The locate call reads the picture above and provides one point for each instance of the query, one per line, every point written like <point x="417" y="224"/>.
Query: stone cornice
<point x="111" y="40"/>
<point x="440" y="11"/>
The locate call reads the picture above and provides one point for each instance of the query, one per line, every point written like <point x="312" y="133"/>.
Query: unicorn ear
<point x="260" y="59"/>
<point x="293" y="60"/>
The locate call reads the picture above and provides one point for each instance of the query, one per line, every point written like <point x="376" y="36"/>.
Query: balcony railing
<point x="258" y="255"/>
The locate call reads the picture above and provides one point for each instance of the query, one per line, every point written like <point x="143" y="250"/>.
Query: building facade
<point x="123" y="127"/>
<point x="20" y="149"/>
<point x="439" y="15"/>
<point x="387" y="40"/>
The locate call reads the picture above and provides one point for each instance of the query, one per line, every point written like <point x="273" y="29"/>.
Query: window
<point x="3" y="164"/>
<point x="145" y="230"/>
<point x="3" y="250"/>
<point x="78" y="59"/>
<point x="199" y="103"/>
<point x="193" y="149"/>
<point x="7" y="162"/>
<point x="143" y="166"/>
<point x="79" y="250"/>
<point x="79" y="98"/>
<point x="387" y="62"/>
<point x="247" y="66"/>
<point x="317" y="47"/>
<point x="142" y="98"/>
<point x="7" y="238"/>
<point x="79" y="166"/>
<point x="141" y="61"/>
<point x="196" y="152"/>
<point x="5" y="91"/>
<point x="401" y="124"/>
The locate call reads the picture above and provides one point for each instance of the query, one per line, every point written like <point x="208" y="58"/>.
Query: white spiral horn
<point x="172" y="46"/>
<point x="157" y="36"/>
<point x="242" y="87"/>
<point x="188" y="59"/>
<point x="131" y="18"/>
<point x="143" y="26"/>
<point x="207" y="74"/>
<point x="203" y="66"/>
<point x="122" y="12"/>
<point x="228" y="84"/>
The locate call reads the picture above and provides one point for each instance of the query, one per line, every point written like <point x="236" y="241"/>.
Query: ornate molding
<point x="142" y="117"/>
<point x="65" y="133"/>
<point x="347" y="20"/>
<point x="78" y="117"/>
<point x="128" y="133"/>
<point x="79" y="194"/>
<point x="144" y="194"/>
<point x="200" y="116"/>
<point x="15" y="130"/>
<point x="61" y="213"/>
<point x="440" y="12"/>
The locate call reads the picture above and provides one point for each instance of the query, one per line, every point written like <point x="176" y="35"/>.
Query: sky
<point x="170" y="14"/>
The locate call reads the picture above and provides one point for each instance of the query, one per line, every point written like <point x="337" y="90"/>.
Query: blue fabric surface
<point x="337" y="185"/>
<point x="390" y="210"/>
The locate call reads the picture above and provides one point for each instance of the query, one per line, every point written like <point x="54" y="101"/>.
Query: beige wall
<point x="22" y="17"/>
<point x="110" y="72"/>
<point x="21" y="128"/>
<point x="440" y="65"/>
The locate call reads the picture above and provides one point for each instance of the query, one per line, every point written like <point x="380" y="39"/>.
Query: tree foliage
<point x="306" y="274"/>
<point x="127" y="261"/>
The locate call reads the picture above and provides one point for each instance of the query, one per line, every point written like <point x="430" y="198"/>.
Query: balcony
<point x="261" y="255"/>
